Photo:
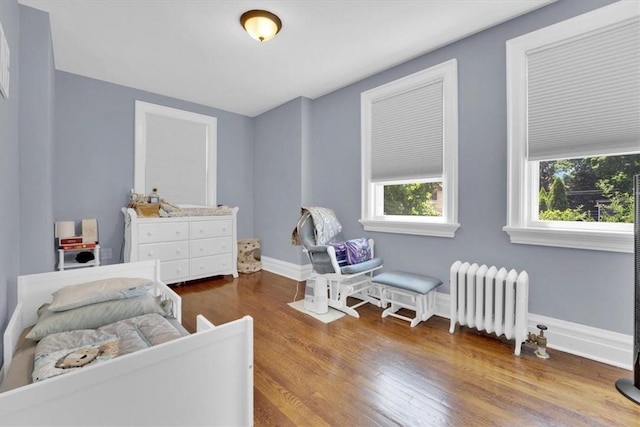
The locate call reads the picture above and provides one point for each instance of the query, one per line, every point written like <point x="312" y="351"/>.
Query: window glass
<point x="415" y="199"/>
<point x="591" y="189"/>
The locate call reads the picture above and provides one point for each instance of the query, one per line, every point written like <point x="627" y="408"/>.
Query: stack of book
<point x="76" y="242"/>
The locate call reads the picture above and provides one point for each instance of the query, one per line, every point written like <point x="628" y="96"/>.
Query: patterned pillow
<point x="341" y="253"/>
<point x="94" y="315"/>
<point x="358" y="250"/>
<point x="74" y="296"/>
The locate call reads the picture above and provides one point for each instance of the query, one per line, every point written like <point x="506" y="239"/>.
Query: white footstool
<point x="408" y="290"/>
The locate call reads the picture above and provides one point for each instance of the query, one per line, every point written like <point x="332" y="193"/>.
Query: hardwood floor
<point x="373" y="371"/>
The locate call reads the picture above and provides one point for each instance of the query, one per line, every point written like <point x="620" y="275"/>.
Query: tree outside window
<point x="416" y="199"/>
<point x="592" y="189"/>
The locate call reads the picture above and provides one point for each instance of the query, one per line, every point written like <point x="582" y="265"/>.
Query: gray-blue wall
<point x="588" y="287"/>
<point x="281" y="185"/>
<point x="94" y="154"/>
<point x="36" y="142"/>
<point x="9" y="168"/>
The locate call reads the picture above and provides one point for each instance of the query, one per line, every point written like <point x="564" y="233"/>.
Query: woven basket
<point x="148" y="209"/>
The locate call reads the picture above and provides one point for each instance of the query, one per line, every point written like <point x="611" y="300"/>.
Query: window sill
<point x="440" y="229"/>
<point x="612" y="241"/>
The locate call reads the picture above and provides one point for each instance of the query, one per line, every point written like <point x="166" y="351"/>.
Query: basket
<point x="148" y="209"/>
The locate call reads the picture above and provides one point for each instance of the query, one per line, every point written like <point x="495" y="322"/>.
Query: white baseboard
<point x="592" y="343"/>
<point x="287" y="269"/>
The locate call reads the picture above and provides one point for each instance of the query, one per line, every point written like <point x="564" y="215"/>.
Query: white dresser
<point x="188" y="247"/>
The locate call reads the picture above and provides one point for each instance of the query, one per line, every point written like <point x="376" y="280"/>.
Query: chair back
<point x="320" y="260"/>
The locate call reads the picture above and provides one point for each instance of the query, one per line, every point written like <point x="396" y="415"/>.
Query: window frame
<point x="441" y="226"/>
<point x="523" y="225"/>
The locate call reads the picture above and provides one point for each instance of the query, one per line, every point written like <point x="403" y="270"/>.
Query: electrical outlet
<point x="105" y="253"/>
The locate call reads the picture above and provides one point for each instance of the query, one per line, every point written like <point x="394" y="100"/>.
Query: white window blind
<point x="583" y="95"/>
<point x="407" y="134"/>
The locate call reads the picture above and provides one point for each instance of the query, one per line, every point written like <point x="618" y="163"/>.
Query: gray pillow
<point x="93" y="316"/>
<point x="74" y="296"/>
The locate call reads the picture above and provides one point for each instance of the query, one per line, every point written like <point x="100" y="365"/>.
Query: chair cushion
<point x="363" y="266"/>
<point x="412" y="282"/>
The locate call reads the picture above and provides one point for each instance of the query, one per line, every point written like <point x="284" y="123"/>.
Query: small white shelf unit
<point x="67" y="258"/>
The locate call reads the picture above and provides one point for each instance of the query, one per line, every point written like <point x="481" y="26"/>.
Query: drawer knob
<point x="177" y="251"/>
<point x="177" y="231"/>
<point x="150" y="254"/>
<point x="149" y="233"/>
<point x="201" y="249"/>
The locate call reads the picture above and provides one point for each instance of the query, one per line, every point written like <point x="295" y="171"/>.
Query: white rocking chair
<point x="341" y="282"/>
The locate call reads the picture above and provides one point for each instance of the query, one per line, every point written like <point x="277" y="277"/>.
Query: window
<point x="409" y="154"/>
<point x="574" y="136"/>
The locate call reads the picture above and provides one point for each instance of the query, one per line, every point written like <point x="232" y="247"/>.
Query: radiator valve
<point x="540" y="341"/>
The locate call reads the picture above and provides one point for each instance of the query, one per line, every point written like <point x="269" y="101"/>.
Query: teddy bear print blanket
<point x="64" y="352"/>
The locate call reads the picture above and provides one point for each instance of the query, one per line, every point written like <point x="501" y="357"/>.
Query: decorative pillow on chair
<point x="341" y="252"/>
<point x="358" y="250"/>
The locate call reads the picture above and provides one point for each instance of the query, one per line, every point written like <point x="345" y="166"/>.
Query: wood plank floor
<point x="380" y="372"/>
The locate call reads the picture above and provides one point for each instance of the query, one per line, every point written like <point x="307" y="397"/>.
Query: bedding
<point x="47" y="365"/>
<point x="104" y="343"/>
<point x="20" y="372"/>
<point x="93" y="316"/>
<point x="116" y="288"/>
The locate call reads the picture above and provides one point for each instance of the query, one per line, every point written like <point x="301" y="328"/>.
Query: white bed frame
<point x="202" y="379"/>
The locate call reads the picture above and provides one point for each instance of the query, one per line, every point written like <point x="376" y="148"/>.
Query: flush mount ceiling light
<point x="260" y="24"/>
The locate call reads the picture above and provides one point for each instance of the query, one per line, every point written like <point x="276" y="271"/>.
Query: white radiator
<point x="490" y="299"/>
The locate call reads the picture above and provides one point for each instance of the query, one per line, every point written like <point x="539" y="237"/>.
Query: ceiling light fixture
<point x="260" y="24"/>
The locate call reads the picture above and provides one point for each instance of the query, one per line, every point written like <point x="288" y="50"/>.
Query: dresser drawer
<point x="208" y="229"/>
<point x="174" y="271"/>
<point x="164" y="251"/>
<point x="211" y="265"/>
<point x="206" y="247"/>
<point x="163" y="232"/>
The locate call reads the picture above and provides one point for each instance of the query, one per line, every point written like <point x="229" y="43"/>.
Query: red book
<point x="78" y="246"/>
<point x="70" y="240"/>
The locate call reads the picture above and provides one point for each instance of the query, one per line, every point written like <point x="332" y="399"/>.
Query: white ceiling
<point x="196" y="50"/>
